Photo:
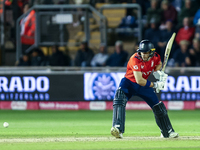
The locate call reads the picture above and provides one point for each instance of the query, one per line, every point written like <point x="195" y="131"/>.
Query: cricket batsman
<point x="136" y="83"/>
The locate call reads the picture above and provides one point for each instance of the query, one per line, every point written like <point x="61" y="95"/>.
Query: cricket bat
<point x="167" y="53"/>
<point x="168" y="50"/>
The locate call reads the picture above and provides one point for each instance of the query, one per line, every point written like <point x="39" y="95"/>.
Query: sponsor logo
<point x="24" y="88"/>
<point x="24" y="96"/>
<point x="24" y="84"/>
<point x="142" y="66"/>
<point x="180" y="96"/>
<point x="146" y="73"/>
<point x="135" y="67"/>
<point x="137" y="105"/>
<point x="182" y="88"/>
<point x="152" y="63"/>
<point x="66" y="106"/>
<point x="182" y="84"/>
<point x="56" y="105"/>
<point x="18" y="105"/>
<point x="98" y="105"/>
<point x="197" y="104"/>
<point x="175" y="105"/>
<point x="48" y="105"/>
<point x="101" y="86"/>
<point x="104" y="86"/>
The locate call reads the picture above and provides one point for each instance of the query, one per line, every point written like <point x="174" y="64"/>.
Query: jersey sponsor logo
<point x="135" y="67"/>
<point x="152" y="63"/>
<point x="146" y="73"/>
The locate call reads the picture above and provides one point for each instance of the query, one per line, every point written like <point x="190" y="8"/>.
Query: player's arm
<point x="158" y="67"/>
<point x="140" y="80"/>
<point x="160" y="75"/>
<point x="159" y="85"/>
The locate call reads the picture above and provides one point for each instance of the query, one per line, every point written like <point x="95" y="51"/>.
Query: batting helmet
<point x="146" y="46"/>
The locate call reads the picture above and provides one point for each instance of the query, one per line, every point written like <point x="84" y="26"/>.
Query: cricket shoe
<point x="171" y="135"/>
<point x="116" y="133"/>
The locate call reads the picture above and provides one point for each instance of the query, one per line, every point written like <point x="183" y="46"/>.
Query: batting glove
<point x="160" y="75"/>
<point x="159" y="85"/>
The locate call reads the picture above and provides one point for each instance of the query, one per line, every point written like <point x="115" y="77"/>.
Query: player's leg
<point x="119" y="104"/>
<point x="163" y="121"/>
<point x="160" y="112"/>
<point x="119" y="109"/>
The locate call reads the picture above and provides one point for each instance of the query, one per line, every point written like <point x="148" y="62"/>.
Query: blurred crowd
<point x="160" y="19"/>
<point x="85" y="57"/>
<point x="183" y="17"/>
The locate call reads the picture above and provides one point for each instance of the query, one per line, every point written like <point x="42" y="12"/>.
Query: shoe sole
<point x="174" y="135"/>
<point x="115" y="132"/>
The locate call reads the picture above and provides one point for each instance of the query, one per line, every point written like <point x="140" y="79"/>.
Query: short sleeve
<point x="134" y="64"/>
<point x="157" y="60"/>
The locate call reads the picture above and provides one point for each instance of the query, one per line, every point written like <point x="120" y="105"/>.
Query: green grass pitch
<point x="60" y="130"/>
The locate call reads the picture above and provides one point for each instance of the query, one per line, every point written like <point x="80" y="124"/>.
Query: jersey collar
<point x="140" y="58"/>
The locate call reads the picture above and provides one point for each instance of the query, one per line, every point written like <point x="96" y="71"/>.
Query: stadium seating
<point x="114" y="16"/>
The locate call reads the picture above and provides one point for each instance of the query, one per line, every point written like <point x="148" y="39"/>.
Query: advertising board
<point x="90" y="86"/>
